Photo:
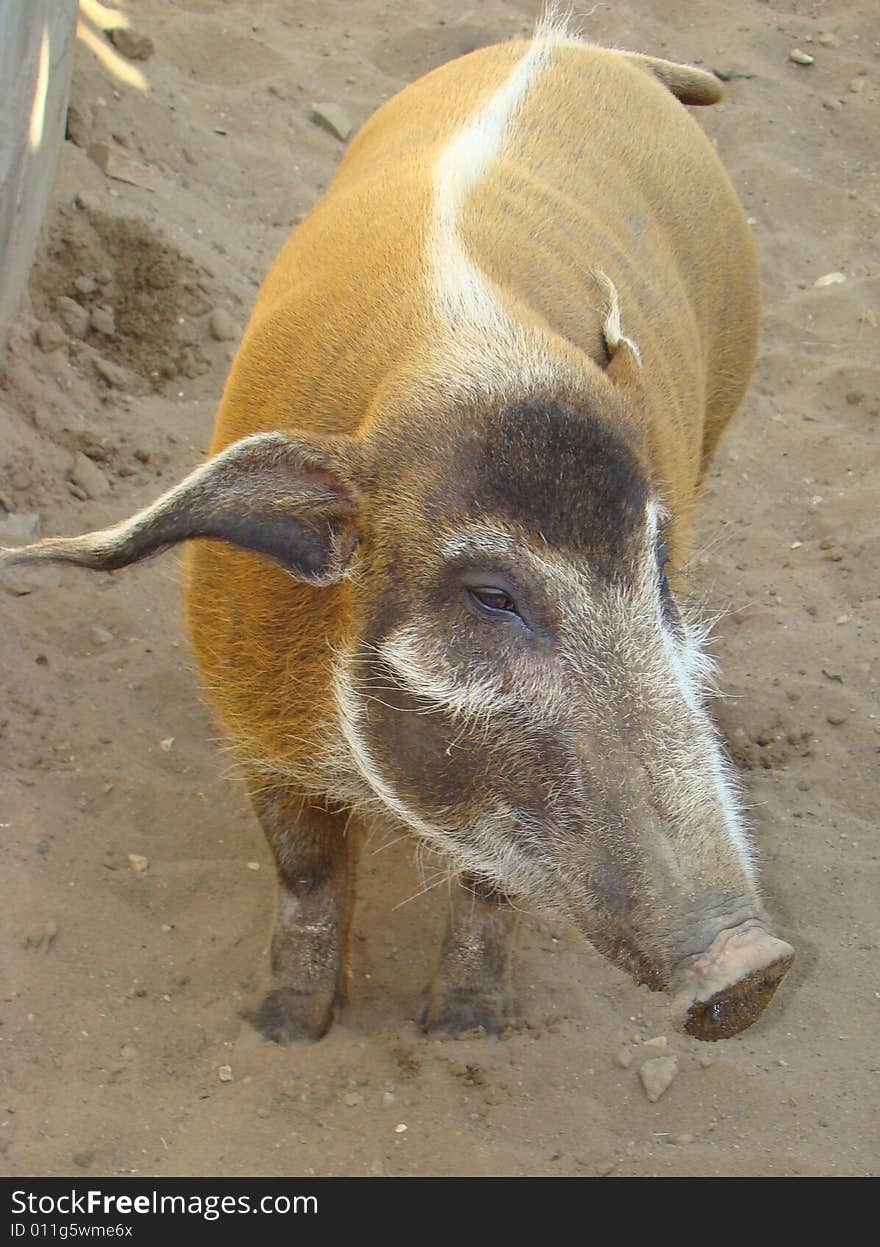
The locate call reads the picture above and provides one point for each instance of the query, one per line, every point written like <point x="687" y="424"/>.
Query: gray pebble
<point x="115" y="376"/>
<point x="127" y="41"/>
<point x="222" y="326"/>
<point x="104" y="321"/>
<point x="73" y="316"/>
<point x="88" y="476"/>
<point x="657" y="1075"/>
<point x="333" y="119"/>
<point x="50" y="336"/>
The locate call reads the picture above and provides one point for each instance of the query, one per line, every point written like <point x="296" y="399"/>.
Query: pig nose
<point x="720" y="992"/>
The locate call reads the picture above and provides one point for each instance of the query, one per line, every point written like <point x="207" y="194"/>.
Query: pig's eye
<point x="492" y="602"/>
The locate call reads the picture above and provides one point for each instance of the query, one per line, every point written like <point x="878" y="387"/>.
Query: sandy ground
<point x="121" y="990"/>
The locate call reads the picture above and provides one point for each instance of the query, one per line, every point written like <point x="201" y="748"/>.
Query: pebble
<point x="117" y="164"/>
<point x="224" y="1073"/>
<point x="829" y="279"/>
<point x="706" y="1060"/>
<point x="85" y="284"/>
<point x="624" y="1058"/>
<point x="128" y="1052"/>
<point x="605" y="1167"/>
<point x="801" y="58"/>
<point x="681" y="1140"/>
<point x="656" y="1076"/>
<point x="18" y="529"/>
<point x="828" y="40"/>
<point x="167" y="744"/>
<point x="138" y="862"/>
<point x="83" y="1160"/>
<point x="221" y="325"/>
<point x="73" y="316"/>
<point x="658" y="1043"/>
<point x="836" y="719"/>
<point x="50" y="336"/>
<point x="115" y="376"/>
<point x="89" y="477"/>
<point x="401" y="1128"/>
<point x="352" y="1099"/>
<point x="127" y="41"/>
<point x="104" y="321"/>
<point x="332" y="118"/>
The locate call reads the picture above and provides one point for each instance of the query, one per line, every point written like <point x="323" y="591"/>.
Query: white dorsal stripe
<point x="463" y="293"/>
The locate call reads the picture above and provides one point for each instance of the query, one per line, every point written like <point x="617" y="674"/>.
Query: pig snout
<point x="721" y="991"/>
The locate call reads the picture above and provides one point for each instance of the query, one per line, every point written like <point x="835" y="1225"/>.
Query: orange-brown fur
<point x="629" y="184"/>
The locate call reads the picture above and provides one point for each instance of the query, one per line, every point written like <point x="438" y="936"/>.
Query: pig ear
<point x="279" y="496"/>
<point x="624" y="357"/>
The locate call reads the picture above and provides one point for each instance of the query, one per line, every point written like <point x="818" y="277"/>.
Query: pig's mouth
<point x="720" y="992"/>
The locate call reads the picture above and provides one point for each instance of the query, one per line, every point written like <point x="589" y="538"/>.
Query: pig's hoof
<point x="459" y="1013"/>
<point x="289" y="1016"/>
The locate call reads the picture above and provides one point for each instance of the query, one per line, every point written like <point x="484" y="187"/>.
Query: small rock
<point x="658" y="1043"/>
<point x="167" y="744"/>
<point x="89" y="477"/>
<point x="833" y="105"/>
<point x="828" y="40"/>
<point x="138" y="862"/>
<point x="829" y="279"/>
<point x="85" y="284"/>
<point x="332" y="118"/>
<point x="263" y="1112"/>
<point x="352" y="1099"/>
<point x="100" y="636"/>
<point x="104" y="321"/>
<point x="224" y="1073"/>
<point x="19" y="528"/>
<point x="857" y="86"/>
<point x="50" y="336"/>
<point x="401" y="1128"/>
<point x="83" y="1160"/>
<point x="836" y="718"/>
<point x="128" y="1052"/>
<point x="854" y="397"/>
<point x="801" y="58"/>
<point x="73" y="316"/>
<point x="79" y="128"/>
<point x="117" y="164"/>
<point x="656" y="1076"/>
<point x="127" y="41"/>
<point x="388" y="1098"/>
<point x="253" y="865"/>
<point x="706" y="1060"/>
<point x="681" y="1140"/>
<point x="605" y="1167"/>
<point x="221" y="325"/>
<point x="624" y="1057"/>
<point x="115" y="376"/>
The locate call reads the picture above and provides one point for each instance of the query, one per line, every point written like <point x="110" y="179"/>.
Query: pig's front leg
<point x="473" y="984"/>
<point x="314" y="853"/>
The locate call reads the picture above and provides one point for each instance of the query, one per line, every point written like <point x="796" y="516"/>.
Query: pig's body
<point x="467" y="426"/>
<point x="599" y="167"/>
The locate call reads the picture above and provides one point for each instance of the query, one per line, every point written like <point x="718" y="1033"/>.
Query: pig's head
<point x="517" y="684"/>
